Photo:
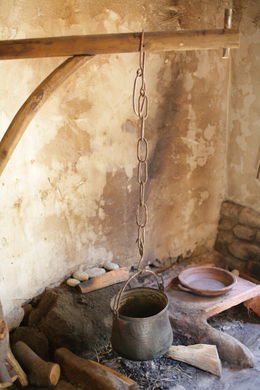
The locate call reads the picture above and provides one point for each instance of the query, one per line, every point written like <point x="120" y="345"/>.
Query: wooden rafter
<point x="118" y="43"/>
<point x="32" y="105"/>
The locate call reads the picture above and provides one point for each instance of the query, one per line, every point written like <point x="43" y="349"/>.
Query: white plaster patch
<point x="209" y="132"/>
<point x="204" y="65"/>
<point x="188" y="82"/>
<point x="98" y="255"/>
<point x="204" y="195"/>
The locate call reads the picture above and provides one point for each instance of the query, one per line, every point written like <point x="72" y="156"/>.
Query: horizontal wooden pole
<point x="118" y="43"/>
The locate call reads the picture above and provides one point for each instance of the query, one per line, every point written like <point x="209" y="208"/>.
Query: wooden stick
<point x="33" y="104"/>
<point x="118" y="43"/>
<point x="202" y="356"/>
<point x="91" y="375"/>
<point x="22" y="377"/>
<point x="41" y="373"/>
<point x="5" y="378"/>
<point x="107" y="279"/>
<point x="3" y="329"/>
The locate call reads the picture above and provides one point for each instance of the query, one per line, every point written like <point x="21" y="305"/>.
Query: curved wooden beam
<point x="32" y="105"/>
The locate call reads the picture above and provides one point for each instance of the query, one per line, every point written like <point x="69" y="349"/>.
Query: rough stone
<point x="244" y="232"/>
<point x="45" y="303"/>
<point x="109" y="266"/>
<point x="79" y="322"/>
<point x="230" y="209"/>
<point x="258" y="237"/>
<point x="81" y="276"/>
<point x="234" y="263"/>
<point x="177" y="387"/>
<point x="34" y="338"/>
<point x="249" y="217"/>
<point x="225" y="237"/>
<point x="254" y="269"/>
<point x="244" y="250"/>
<point x="72" y="282"/>
<point x="92" y="272"/>
<point x="226" y="223"/>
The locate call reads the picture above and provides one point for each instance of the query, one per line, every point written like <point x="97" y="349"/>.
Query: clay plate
<point x="206" y="281"/>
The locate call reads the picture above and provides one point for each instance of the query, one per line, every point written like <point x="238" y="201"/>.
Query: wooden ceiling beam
<point x="118" y="43"/>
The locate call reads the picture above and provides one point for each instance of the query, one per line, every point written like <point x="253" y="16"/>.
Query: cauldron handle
<point x="122" y="289"/>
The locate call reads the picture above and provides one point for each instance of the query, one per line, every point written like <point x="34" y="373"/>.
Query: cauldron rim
<point x="141" y="318"/>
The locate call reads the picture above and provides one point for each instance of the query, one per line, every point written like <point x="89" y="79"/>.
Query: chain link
<point x="140" y="107"/>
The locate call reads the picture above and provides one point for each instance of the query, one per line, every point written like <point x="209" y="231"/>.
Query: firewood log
<point x="202" y="356"/>
<point x="41" y="373"/>
<point x="91" y="375"/>
<point x="22" y="377"/>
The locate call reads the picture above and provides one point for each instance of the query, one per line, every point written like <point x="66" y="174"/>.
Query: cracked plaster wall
<point x="69" y="193"/>
<point x="244" y="135"/>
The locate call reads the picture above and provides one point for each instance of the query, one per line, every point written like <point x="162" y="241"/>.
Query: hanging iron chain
<point x="140" y="106"/>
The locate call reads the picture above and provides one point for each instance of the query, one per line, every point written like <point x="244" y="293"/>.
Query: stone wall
<point x="239" y="237"/>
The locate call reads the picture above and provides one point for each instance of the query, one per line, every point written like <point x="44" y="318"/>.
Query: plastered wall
<point x="244" y="129"/>
<point x="68" y="195"/>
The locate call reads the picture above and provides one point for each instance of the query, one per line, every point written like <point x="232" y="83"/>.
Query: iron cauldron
<point x="141" y="327"/>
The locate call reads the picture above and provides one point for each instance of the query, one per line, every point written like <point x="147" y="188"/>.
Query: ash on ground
<point x="156" y="374"/>
<point x="167" y="374"/>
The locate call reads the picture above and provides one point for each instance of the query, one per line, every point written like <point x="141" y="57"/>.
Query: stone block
<point x="230" y="209"/>
<point x="244" y="250"/>
<point x="79" y="322"/>
<point x="224" y="238"/>
<point x="234" y="263"/>
<point x="254" y="269"/>
<point x="249" y="217"/>
<point x="244" y="232"/>
<point x="227" y="223"/>
<point x="36" y="340"/>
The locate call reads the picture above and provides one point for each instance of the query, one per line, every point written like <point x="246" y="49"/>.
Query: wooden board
<point x="118" y="43"/>
<point x="107" y="279"/>
<point x="91" y="375"/>
<point x="210" y="306"/>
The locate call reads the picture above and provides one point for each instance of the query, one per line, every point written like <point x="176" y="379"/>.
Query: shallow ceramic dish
<point x="207" y="281"/>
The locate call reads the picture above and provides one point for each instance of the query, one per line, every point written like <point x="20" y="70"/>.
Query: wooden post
<point x="118" y="43"/>
<point x="5" y="379"/>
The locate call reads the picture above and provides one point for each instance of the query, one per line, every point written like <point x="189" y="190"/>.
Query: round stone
<point x="80" y="275"/>
<point x="109" y="266"/>
<point x="72" y="282"/>
<point x="93" y="272"/>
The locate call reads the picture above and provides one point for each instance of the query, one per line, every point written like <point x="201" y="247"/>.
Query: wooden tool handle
<point x="105" y="280"/>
